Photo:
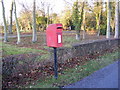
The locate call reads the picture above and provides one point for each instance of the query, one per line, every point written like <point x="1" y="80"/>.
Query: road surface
<point x="106" y="77"/>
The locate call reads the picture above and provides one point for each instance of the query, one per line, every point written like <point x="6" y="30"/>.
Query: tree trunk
<point x="98" y="17"/>
<point x="78" y="27"/>
<point x="10" y="26"/>
<point x="108" y="19"/>
<point x="84" y="24"/>
<point x="17" y="24"/>
<point x="98" y="25"/>
<point x="77" y="33"/>
<point x="48" y="15"/>
<point x="4" y="21"/>
<point x="29" y="25"/>
<point x="112" y="25"/>
<point x="119" y="19"/>
<point x="34" y="37"/>
<point x="116" y="19"/>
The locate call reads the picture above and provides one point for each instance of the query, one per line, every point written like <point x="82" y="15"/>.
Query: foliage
<point x="55" y="18"/>
<point x="41" y="21"/>
<point x="25" y="20"/>
<point x="103" y="24"/>
<point x="77" y="17"/>
<point x="112" y="7"/>
<point x="66" y="19"/>
<point x="103" y="29"/>
<point x="90" y="21"/>
<point x="98" y="12"/>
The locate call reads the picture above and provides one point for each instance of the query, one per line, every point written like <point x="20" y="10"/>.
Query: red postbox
<point x="54" y="35"/>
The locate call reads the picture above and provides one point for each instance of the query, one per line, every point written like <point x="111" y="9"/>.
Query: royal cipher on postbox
<point x="54" y="35"/>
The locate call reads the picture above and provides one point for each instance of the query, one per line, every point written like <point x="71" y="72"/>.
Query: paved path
<point x="106" y="77"/>
<point x="14" y="36"/>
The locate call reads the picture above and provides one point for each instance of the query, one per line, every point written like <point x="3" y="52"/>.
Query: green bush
<point x="103" y="29"/>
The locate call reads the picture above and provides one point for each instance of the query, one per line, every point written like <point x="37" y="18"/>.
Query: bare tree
<point x="34" y="37"/>
<point x="48" y="7"/>
<point x="17" y="24"/>
<point x="116" y="19"/>
<point x="10" y="26"/>
<point x="43" y="14"/>
<point x="43" y="8"/>
<point x="4" y="21"/>
<point x="68" y="2"/>
<point x="108" y="19"/>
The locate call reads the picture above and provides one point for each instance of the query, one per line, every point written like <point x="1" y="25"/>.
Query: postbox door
<point x="59" y="38"/>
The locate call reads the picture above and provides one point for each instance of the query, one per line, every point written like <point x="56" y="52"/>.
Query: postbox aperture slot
<point x="59" y="27"/>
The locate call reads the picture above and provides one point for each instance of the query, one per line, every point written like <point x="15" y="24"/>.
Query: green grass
<point x="7" y="50"/>
<point x="14" y="50"/>
<point x="42" y="57"/>
<point x="77" y="73"/>
<point x="69" y="41"/>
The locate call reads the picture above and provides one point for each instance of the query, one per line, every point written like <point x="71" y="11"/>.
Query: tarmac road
<point x="106" y="77"/>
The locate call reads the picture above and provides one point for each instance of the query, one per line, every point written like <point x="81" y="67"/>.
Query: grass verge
<point x="69" y="41"/>
<point x="13" y="50"/>
<point x="79" y="72"/>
